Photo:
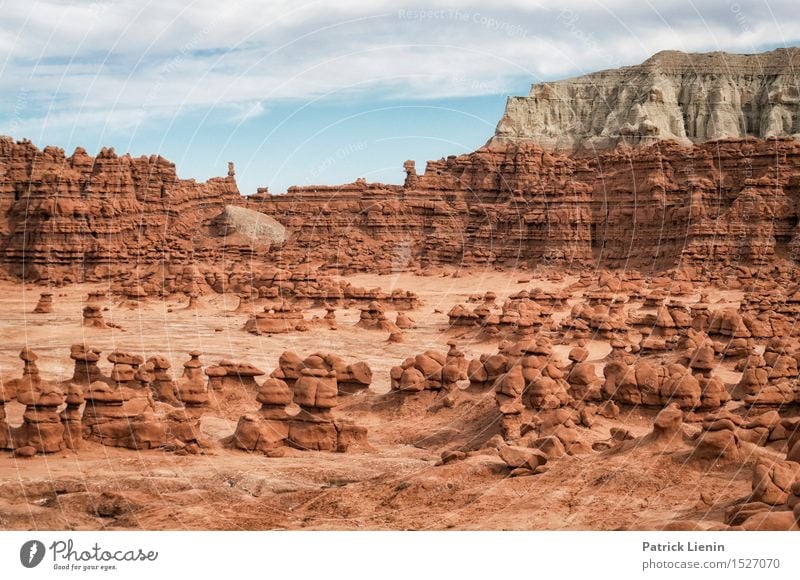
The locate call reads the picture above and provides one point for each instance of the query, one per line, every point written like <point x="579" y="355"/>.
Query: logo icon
<point x="31" y="553"/>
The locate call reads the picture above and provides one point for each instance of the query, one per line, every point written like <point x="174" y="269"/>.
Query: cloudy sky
<point x="299" y="91"/>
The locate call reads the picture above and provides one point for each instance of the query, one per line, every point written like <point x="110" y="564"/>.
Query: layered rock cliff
<point x="498" y="204"/>
<point x="671" y="96"/>
<point x="75" y="214"/>
<point x="655" y="207"/>
<point x="686" y="159"/>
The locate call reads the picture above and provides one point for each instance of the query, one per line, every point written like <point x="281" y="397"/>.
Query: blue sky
<point x="305" y="91"/>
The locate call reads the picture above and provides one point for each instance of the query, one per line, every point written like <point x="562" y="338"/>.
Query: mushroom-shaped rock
<point x="667" y="427"/>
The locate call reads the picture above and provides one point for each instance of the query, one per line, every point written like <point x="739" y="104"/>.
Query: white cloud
<point x="249" y="111"/>
<point x="121" y="63"/>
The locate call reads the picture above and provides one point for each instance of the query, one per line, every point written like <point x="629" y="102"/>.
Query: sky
<point x="299" y="92"/>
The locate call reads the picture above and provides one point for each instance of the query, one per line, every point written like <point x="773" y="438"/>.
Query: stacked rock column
<point x="6" y="395"/>
<point x="268" y="430"/>
<point x="86" y="369"/>
<point x="316" y="394"/>
<point x="41" y="430"/>
<point x="71" y="417"/>
<point x="120" y="414"/>
<point x="162" y="385"/>
<point x="45" y="304"/>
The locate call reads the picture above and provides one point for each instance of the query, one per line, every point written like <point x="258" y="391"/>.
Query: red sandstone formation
<point x="86" y="369"/>
<point x="237" y="375"/>
<point x="230" y="383"/>
<point x="312" y="385"/>
<point x="191" y="388"/>
<point x="404" y="322"/>
<point x="395" y="338"/>
<point x="96" y="297"/>
<point x="516" y="202"/>
<point x="702" y="195"/>
<point x="78" y="215"/>
<point x="119" y="411"/>
<point x="263" y="286"/>
<point x="268" y="430"/>
<point x="193" y="302"/>
<point x="277" y="319"/>
<point x="656" y="385"/>
<point x="306" y="284"/>
<point x="597" y="318"/>
<point x="523" y="460"/>
<point x="162" y="384"/>
<point x="519" y="317"/>
<point x="330" y="318"/>
<point x="41" y="430"/>
<point x="119" y="408"/>
<point x="720" y="371"/>
<point x="768" y="380"/>
<point x="584" y="383"/>
<point x="351" y="378"/>
<point x="6" y="396"/>
<point x="373" y="317"/>
<point x="430" y="370"/>
<point x="533" y="378"/>
<point x="45" y="304"/>
<point x="71" y="417"/>
<point x="93" y="317"/>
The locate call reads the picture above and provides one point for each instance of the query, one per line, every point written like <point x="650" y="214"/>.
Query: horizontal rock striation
<point x="671" y="96"/>
<point x="79" y="212"/>
<point x="505" y="203"/>
<point x="685" y="159"/>
<point x="657" y="206"/>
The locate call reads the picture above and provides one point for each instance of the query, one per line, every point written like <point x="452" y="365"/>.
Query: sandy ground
<point x="396" y="486"/>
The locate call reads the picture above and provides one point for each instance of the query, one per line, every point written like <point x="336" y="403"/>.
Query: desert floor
<point x="397" y="485"/>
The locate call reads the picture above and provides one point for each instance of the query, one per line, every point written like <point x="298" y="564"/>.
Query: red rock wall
<point x="652" y="208"/>
<point x="724" y="202"/>
<point x="75" y="214"/>
<point x="360" y="226"/>
<point x="730" y="202"/>
<point x="499" y="204"/>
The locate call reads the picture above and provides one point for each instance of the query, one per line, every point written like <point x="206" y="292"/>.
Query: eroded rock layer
<point x="655" y="206"/>
<point x="79" y="213"/>
<point x="709" y="177"/>
<point x="672" y="95"/>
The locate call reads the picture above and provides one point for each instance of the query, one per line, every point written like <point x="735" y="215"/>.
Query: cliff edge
<point x="689" y="98"/>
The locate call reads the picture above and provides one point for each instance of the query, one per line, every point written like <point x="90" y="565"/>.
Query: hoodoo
<point x="589" y="322"/>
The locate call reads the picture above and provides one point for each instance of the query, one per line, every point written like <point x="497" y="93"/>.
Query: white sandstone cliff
<point x="672" y="95"/>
